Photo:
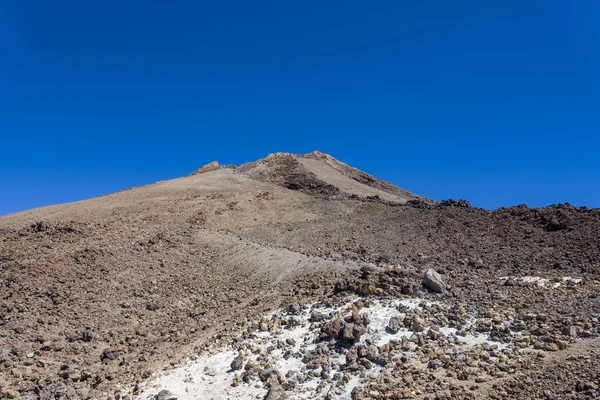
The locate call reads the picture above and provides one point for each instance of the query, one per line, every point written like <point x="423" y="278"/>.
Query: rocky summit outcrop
<point x="211" y="166"/>
<point x="318" y="174"/>
<point x="302" y="276"/>
<point x="358" y="175"/>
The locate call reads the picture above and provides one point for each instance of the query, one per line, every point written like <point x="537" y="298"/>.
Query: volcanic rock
<point x="433" y="281"/>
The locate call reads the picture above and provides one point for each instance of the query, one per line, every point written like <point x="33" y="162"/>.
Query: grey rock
<point x="370" y="352"/>
<point x="418" y="324"/>
<point x="237" y="364"/>
<point x="41" y="227"/>
<point x="394" y="325"/>
<point x="351" y="356"/>
<point x="276" y="392"/>
<point x="317" y="317"/>
<point x="570" y="331"/>
<point x="433" y="281"/>
<point x="409" y="289"/>
<point x="165" y="395"/>
<point x="352" y="332"/>
<point x="110" y="354"/>
<point x="265" y="374"/>
<point x="294" y="308"/>
<point x="434" y="364"/>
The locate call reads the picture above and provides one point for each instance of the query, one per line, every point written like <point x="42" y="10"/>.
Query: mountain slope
<point x="98" y="294"/>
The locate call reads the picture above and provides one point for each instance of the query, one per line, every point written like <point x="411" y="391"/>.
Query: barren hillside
<point x="99" y="297"/>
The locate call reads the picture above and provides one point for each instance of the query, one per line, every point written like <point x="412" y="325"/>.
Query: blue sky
<point x="495" y="102"/>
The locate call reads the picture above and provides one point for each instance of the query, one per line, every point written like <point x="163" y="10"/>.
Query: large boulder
<point x="433" y="281"/>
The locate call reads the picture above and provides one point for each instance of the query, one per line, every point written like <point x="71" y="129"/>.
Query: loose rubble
<point x="355" y="348"/>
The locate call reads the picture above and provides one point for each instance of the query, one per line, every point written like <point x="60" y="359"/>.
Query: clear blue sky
<point x="495" y="102"/>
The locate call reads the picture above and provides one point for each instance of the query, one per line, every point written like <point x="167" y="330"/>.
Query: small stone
<point x="570" y="331"/>
<point x="418" y="325"/>
<point x="265" y="374"/>
<point x="237" y="364"/>
<point x="294" y="308"/>
<point x="250" y="366"/>
<point x="317" y="317"/>
<point x="275" y="392"/>
<point x="370" y="352"/>
<point x="394" y="325"/>
<point x="237" y="380"/>
<point x="165" y="395"/>
<point x="109" y="354"/>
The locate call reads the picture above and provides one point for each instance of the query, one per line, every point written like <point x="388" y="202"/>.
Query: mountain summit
<point x="315" y="173"/>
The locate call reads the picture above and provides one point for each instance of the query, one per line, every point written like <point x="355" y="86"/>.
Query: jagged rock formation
<point x="212" y="166"/>
<point x="318" y="174"/>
